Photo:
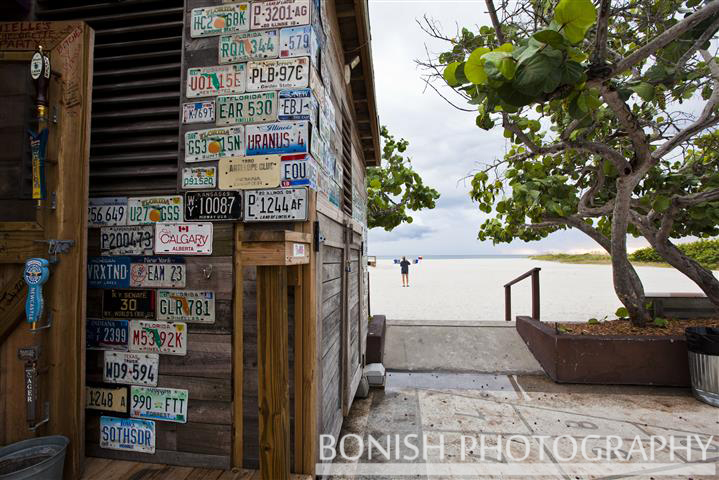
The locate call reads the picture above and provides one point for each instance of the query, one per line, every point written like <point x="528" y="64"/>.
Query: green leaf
<point x="505" y="47"/>
<point x="575" y="17"/>
<point x="593" y="321"/>
<point x="508" y="67"/>
<point x="573" y="73"/>
<point x="474" y="67"/>
<point x="622" y="312"/>
<point x="661" y="203"/>
<point x="450" y="74"/>
<point x="550" y="37"/>
<point x="375" y="183"/>
<point x="644" y="90"/>
<point x="538" y="73"/>
<point x="661" y="322"/>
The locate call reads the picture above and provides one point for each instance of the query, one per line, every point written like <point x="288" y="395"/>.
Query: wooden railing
<point x="534" y="273"/>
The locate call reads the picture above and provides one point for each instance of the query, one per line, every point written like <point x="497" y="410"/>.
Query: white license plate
<point x="107" y="211"/>
<point x="184" y="238"/>
<point x="210" y="21"/>
<point x="130" y="368"/>
<point x="107" y="399"/>
<point x="249" y="46"/>
<point x="127" y="434"/>
<point x="213" y="81"/>
<point x="214" y="143"/>
<point x="298" y="169"/>
<point x="284" y="204"/>
<point x="130" y="240"/>
<point x="298" y="42"/>
<point x="158" y="337"/>
<point x="261" y="171"/>
<point x="198" y="112"/>
<point x="148" y="210"/>
<point x="154" y="403"/>
<point x="275" y="74"/>
<point x="189" y="306"/>
<point x="277" y="138"/>
<point x="247" y="108"/>
<point x="297" y="104"/>
<point x="162" y="273"/>
<point x="280" y="13"/>
<point x="199" y="177"/>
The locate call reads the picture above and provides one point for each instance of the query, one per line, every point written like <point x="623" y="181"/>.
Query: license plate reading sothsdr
<point x="106" y="334"/>
<point x="210" y="21"/>
<point x="247" y="108"/>
<point x="130" y="368"/>
<point x="108" y="399"/>
<point x="167" y="404"/>
<point x="127" y="434"/>
<point x="284" y="204"/>
<point x="128" y="304"/>
<point x="248" y="46"/>
<point x="214" y="143"/>
<point x="213" y="81"/>
<point x="107" y="211"/>
<point x="158" y="337"/>
<point x="191" y="306"/>
<point x="130" y="240"/>
<point x="148" y="210"/>
<point x="280" y="13"/>
<point x="276" y="74"/>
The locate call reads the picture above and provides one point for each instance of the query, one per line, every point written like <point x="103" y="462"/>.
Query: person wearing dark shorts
<point x="404" y="266"/>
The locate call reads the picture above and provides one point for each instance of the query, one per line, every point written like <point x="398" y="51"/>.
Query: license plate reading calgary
<point x="167" y="404"/>
<point x="248" y="46"/>
<point x="108" y="399"/>
<point x="127" y="434"/>
<point x="280" y="13"/>
<point x="285" y="204"/>
<point x="130" y="240"/>
<point x="276" y="74"/>
<point x="107" y="211"/>
<point x="130" y="368"/>
<point x="158" y="337"/>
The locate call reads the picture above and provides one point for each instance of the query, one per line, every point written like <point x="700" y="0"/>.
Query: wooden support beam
<point x="238" y="366"/>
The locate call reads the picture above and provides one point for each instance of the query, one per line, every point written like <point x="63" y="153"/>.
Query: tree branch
<point x="600" y="46"/>
<point x="705" y="37"/>
<point x="629" y="123"/>
<point x="495" y="20"/>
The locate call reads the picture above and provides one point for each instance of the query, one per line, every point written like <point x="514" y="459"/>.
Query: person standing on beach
<point x="404" y="266"/>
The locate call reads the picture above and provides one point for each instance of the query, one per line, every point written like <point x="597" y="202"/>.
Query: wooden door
<point x="351" y="353"/>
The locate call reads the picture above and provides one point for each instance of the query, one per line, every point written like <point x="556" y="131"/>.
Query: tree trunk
<point x="703" y="277"/>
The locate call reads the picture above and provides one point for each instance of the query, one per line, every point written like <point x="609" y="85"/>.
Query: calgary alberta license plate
<point x="213" y="81"/>
<point x="280" y="13"/>
<point x="158" y="272"/>
<point x="128" y="304"/>
<point x="214" y="143"/>
<point x="127" y="434"/>
<point x="184" y="238"/>
<point x="198" y="112"/>
<point x="190" y="306"/>
<point x="248" y="46"/>
<point x="106" y="334"/>
<point x="249" y="172"/>
<point x="128" y="240"/>
<point x="130" y="368"/>
<point x="282" y="204"/>
<point x="154" y="403"/>
<point x="297" y="104"/>
<point x="147" y="210"/>
<point x="108" y="399"/>
<point x="247" y="108"/>
<point x="209" y="21"/>
<point x="213" y="205"/>
<point x="275" y="74"/>
<point x="158" y="337"/>
<point x="199" y="177"/>
<point x="107" y="211"/>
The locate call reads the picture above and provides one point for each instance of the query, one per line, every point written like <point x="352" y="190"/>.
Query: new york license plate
<point x="213" y="205"/>
<point x="108" y="399"/>
<point x="213" y="81"/>
<point x="214" y="143"/>
<point x="282" y="204"/>
<point x="106" y="334"/>
<point x="127" y="434"/>
<point x="190" y="306"/>
<point x="107" y="211"/>
<point x="276" y="74"/>
<point x="128" y="240"/>
<point x="128" y="304"/>
<point x="297" y="105"/>
<point x="248" y="46"/>
<point x="280" y="13"/>
<point x="158" y="337"/>
<point x="148" y="210"/>
<point x="158" y="272"/>
<point x="154" y="403"/>
<point x="277" y="138"/>
<point x="199" y="177"/>
<point x="210" y="21"/>
<point x="247" y="108"/>
<point x="130" y="368"/>
<point x="198" y="112"/>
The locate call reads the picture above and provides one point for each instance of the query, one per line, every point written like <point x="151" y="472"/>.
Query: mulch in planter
<point x="675" y="327"/>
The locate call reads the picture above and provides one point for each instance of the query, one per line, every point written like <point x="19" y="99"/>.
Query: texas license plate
<point x="210" y="21"/>
<point x="198" y="112"/>
<point x="106" y="334"/>
<point x="154" y="403"/>
<point x="128" y="304"/>
<point x="158" y="337"/>
<point x="275" y="74"/>
<point x="158" y="272"/>
<point x="298" y="42"/>
<point x="107" y="211"/>
<point x="280" y="13"/>
<point x="213" y="205"/>
<point x="284" y="204"/>
<point x="277" y="138"/>
<point x="127" y="434"/>
<point x="190" y="306"/>
<point x="130" y="368"/>
<point x="129" y="240"/>
<point x="108" y="399"/>
<point x="148" y="210"/>
<point x="214" y="143"/>
<point x="248" y="46"/>
<point x="184" y="238"/>
<point x="213" y="81"/>
<point x="108" y="272"/>
<point x="249" y="172"/>
<point x="199" y="177"/>
<point x="247" y="108"/>
<point x="297" y="104"/>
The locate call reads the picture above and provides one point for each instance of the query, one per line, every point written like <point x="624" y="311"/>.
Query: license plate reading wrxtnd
<point x="158" y="337"/>
<point x="130" y="368"/>
<point x="107" y="211"/>
<point x="214" y="143"/>
<point x="213" y="205"/>
<point x="285" y="204"/>
<point x="127" y="434"/>
<point x="106" y="334"/>
<point x="210" y="21"/>
<point x="198" y="112"/>
<point x="277" y="74"/>
<point x="280" y="13"/>
<point x="128" y="304"/>
<point x="129" y="240"/>
<point x="148" y="210"/>
<point x="248" y="46"/>
<point x="190" y="306"/>
<point x="152" y="403"/>
<point x="277" y="138"/>
<point x="213" y="81"/>
<point x="158" y="272"/>
<point x="108" y="272"/>
<point x="107" y="399"/>
<point x="199" y="177"/>
<point x="247" y="108"/>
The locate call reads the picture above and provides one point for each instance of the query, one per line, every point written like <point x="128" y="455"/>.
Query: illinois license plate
<point x="210" y="21"/>
<point x="184" y="238"/>
<point x="198" y="112"/>
<point x="213" y="205"/>
<point x="128" y="304"/>
<point x="106" y="334"/>
<point x="213" y="81"/>
<point x="298" y="170"/>
<point x="249" y="46"/>
<point x="129" y="240"/>
<point x="249" y="172"/>
<point x="247" y="108"/>
<point x="297" y="104"/>
<point x="130" y="368"/>
<point x="280" y="13"/>
<point x="276" y="74"/>
<point x="158" y="272"/>
<point x="199" y="177"/>
<point x="127" y="434"/>
<point x="108" y="272"/>
<point x="148" y="210"/>
<point x="214" y="143"/>
<point x="283" y="204"/>
<point x="190" y="306"/>
<point x="277" y="138"/>
<point x="107" y="211"/>
<point x="154" y="403"/>
<point x="158" y="337"/>
<point x="298" y="42"/>
<point x="108" y="399"/>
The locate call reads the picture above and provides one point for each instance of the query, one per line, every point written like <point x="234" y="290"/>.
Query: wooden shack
<point x="207" y="160"/>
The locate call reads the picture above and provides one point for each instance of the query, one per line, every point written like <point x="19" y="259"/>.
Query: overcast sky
<point x="445" y="145"/>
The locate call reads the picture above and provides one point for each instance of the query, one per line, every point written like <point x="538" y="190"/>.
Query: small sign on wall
<point x="183" y="238"/>
<point x="249" y="172"/>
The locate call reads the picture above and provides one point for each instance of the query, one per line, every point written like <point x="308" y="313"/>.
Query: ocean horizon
<point x="458" y="256"/>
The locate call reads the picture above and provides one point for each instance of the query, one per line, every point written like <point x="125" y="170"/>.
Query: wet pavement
<point x="460" y="425"/>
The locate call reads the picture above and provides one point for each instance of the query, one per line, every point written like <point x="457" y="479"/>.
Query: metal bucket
<point x="703" y="345"/>
<point x="41" y="458"/>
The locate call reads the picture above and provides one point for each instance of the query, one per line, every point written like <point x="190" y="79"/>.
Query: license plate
<point x="213" y="81"/>
<point x="131" y="240"/>
<point x="284" y="204"/>
<point x="153" y="403"/>
<point x="248" y="46"/>
<point x="276" y="74"/>
<point x="299" y="42"/>
<point x="247" y="108"/>
<point x="158" y="337"/>
<point x="249" y="172"/>
<point x="213" y="205"/>
<point x="148" y="210"/>
<point x="298" y="170"/>
<point x="210" y="21"/>
<point x="127" y="434"/>
<point x="107" y="211"/>
<point x="108" y="272"/>
<point x="214" y="143"/>
<point x="158" y="272"/>
<point x="199" y="177"/>
<point x="184" y="238"/>
<point x="198" y="112"/>
<point x="189" y="306"/>
<point x="280" y="13"/>
<point x="108" y="399"/>
<point x="130" y="368"/>
<point x="106" y="334"/>
<point x="128" y="304"/>
<point x="297" y="104"/>
<point x="277" y="138"/>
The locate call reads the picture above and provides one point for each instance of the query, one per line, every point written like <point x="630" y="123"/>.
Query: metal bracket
<point x="48" y="324"/>
<point x="207" y="271"/>
<point x="57" y="246"/>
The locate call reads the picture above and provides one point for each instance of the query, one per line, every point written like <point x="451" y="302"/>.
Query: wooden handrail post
<point x="508" y="303"/>
<point x="535" y="294"/>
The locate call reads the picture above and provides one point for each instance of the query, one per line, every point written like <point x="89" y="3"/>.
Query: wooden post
<point x="273" y="369"/>
<point x="238" y="366"/>
<point x="508" y="303"/>
<point x="535" y="294"/>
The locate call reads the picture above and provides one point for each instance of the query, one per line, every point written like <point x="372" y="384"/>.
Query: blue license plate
<point x="106" y="334"/>
<point x="108" y="272"/>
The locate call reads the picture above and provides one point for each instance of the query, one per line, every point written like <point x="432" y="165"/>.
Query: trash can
<point x="41" y="458"/>
<point x="703" y="346"/>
